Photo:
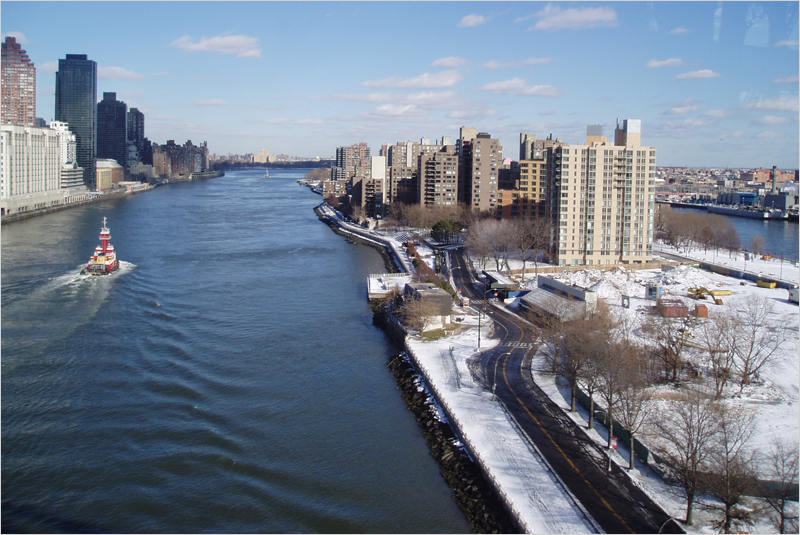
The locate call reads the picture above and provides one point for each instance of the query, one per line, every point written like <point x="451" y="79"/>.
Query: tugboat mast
<point x="105" y="236"/>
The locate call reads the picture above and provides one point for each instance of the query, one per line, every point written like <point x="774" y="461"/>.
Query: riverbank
<point x="194" y="176"/>
<point x="513" y="473"/>
<point x="485" y="511"/>
<point x="52" y="209"/>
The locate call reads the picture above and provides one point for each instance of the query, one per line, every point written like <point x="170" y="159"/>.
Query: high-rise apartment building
<point x="76" y="105"/>
<point x="18" y="85"/>
<point x="438" y="177"/>
<point x="401" y="174"/>
<point x="480" y="158"/>
<point x="348" y="159"/>
<point x="172" y="160"/>
<point x="601" y="198"/>
<point x="532" y="185"/>
<point x="112" y="129"/>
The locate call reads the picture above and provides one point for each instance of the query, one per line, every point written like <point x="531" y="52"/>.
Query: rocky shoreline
<point x="484" y="510"/>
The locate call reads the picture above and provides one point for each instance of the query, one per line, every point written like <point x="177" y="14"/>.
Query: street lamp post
<point x="665" y="523"/>
<point x="494" y="377"/>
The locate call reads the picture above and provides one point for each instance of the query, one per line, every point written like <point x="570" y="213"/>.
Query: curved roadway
<point x="611" y="498"/>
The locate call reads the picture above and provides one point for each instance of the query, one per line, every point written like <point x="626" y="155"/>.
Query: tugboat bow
<point x="104" y="260"/>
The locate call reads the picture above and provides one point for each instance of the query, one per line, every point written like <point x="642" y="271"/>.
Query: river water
<point x="780" y="237"/>
<point x="227" y="379"/>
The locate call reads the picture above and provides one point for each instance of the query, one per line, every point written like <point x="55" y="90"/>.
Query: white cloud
<point x="309" y="121"/>
<point x="786" y="80"/>
<point x="424" y="81"/>
<point x="211" y="102"/>
<point x="768" y="135"/>
<point x="786" y="43"/>
<point x="350" y="97"/>
<point x="279" y="120"/>
<point x="698" y="75"/>
<point x="117" y="73"/>
<point x="671" y="62"/>
<point x="470" y="21"/>
<point x="553" y="17"/>
<point x="718" y="113"/>
<point x="397" y="110"/>
<point x="549" y="112"/>
<point x="773" y="104"/>
<point x="518" y="86"/>
<point x="472" y="113"/>
<point x="771" y="120"/>
<point x="736" y="133"/>
<point x="536" y="61"/>
<point x="678" y="30"/>
<point x="451" y="62"/>
<point x="238" y="45"/>
<point x="498" y="64"/>
<point x="683" y="110"/>
<point x="423" y="99"/>
<point x="20" y="37"/>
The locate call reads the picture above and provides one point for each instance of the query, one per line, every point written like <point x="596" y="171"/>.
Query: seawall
<point x="479" y="500"/>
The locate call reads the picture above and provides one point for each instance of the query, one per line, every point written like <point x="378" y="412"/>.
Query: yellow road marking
<point x="505" y="375"/>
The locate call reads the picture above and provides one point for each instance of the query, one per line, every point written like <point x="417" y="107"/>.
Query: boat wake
<point x="66" y="302"/>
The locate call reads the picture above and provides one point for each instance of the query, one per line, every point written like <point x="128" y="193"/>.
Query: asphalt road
<point x="610" y="497"/>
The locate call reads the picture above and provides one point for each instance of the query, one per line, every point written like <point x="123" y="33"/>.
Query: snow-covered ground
<point x="775" y="399"/>
<point x="523" y="477"/>
<point x="513" y="462"/>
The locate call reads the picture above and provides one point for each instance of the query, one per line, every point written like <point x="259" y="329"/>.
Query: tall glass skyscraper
<point x="112" y="129"/>
<point x="76" y="105"/>
<point x="136" y="132"/>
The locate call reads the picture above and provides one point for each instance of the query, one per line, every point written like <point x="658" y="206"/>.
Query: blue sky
<point x="714" y="83"/>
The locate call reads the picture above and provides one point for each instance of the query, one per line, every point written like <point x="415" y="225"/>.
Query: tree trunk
<point x="726" y="528"/>
<point x="574" y="396"/>
<point x="610" y="429"/>
<point x="631" y="466"/>
<point x="689" y="506"/>
<point x="591" y="412"/>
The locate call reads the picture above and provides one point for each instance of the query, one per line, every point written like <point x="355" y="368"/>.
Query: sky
<point x="715" y="84"/>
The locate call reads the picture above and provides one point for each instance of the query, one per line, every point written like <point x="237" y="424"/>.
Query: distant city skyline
<point x="714" y="84"/>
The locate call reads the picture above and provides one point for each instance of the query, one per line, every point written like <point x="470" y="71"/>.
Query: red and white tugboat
<point x="104" y="259"/>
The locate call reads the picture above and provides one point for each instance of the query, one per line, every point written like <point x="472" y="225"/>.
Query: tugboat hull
<point x="104" y="260"/>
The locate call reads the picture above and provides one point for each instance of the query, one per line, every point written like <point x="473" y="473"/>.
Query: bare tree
<point x="757" y="244"/>
<point x="717" y="337"/>
<point x="686" y="434"/>
<point x="491" y="238"/>
<point x="757" y="339"/>
<point x="583" y="341"/>
<point x="668" y="337"/>
<point x="418" y="313"/>
<point x="784" y="475"/>
<point x="729" y="238"/>
<point x="541" y="230"/>
<point x="357" y="213"/>
<point x="612" y="367"/>
<point x="731" y="464"/>
<point x="633" y="409"/>
<point x="523" y="239"/>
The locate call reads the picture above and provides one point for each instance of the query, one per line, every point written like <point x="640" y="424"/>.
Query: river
<point x="780" y="237"/>
<point x="227" y="379"/>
